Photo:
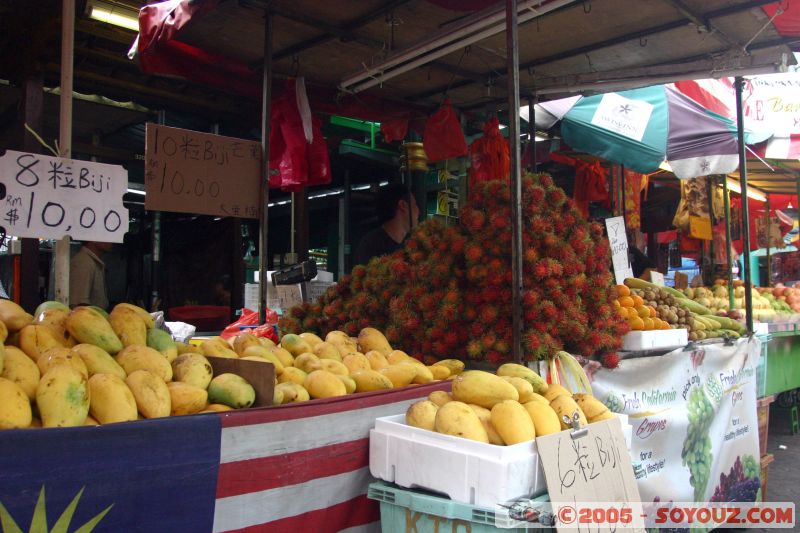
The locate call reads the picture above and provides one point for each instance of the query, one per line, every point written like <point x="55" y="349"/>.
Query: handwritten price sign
<point x="192" y="172"/>
<point x="593" y="467"/>
<point x="50" y="197"/>
<point x="618" y="240"/>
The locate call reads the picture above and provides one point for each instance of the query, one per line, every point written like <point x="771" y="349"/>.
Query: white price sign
<point x="50" y="197"/>
<point x="618" y="241"/>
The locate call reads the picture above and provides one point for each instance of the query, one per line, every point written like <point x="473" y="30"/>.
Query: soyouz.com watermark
<point x="537" y="514"/>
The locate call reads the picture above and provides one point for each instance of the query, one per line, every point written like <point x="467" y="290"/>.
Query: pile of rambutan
<point x="447" y="293"/>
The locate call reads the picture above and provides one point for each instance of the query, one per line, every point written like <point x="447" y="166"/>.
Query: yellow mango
<point x="128" y="326"/>
<point x="133" y="358"/>
<point x="13" y="316"/>
<point x="376" y="359"/>
<point x="293" y="392"/>
<point x="217" y="348"/>
<point x="61" y="356"/>
<point x="303" y="361"/>
<point x="186" y="399"/>
<point x="232" y="390"/>
<point x="3" y="332"/>
<point x="15" y="406"/>
<point x="88" y="325"/>
<point x="524" y="388"/>
<point x="160" y="340"/>
<point x="91" y="422"/>
<point x="538" y="384"/>
<point x="311" y="339"/>
<point x="370" y="380"/>
<point x="399" y="375"/>
<point x="349" y="383"/>
<point x="439" y="372"/>
<point x="183" y="348"/>
<point x="265" y="354"/>
<point x="21" y="370"/>
<point x="217" y="408"/>
<point x="98" y="361"/>
<point x="399" y="356"/>
<point x="194" y="369"/>
<point x="266" y="342"/>
<point x="33" y="340"/>
<point x="62" y="397"/>
<point x="294" y="344"/>
<point x="485" y="416"/>
<point x="453" y="365"/>
<point x="293" y="375"/>
<point x="326" y="350"/>
<point x="458" y="419"/>
<point x="356" y="361"/>
<point x="152" y="396"/>
<point x="146" y="317"/>
<point x="331" y="365"/>
<point x="512" y="422"/>
<point x="244" y="340"/>
<point x="591" y="406"/>
<point x="440" y="397"/>
<point x="342" y="342"/>
<point x="372" y="339"/>
<point x="55" y="319"/>
<point x="607" y="415"/>
<point x="324" y="384"/>
<point x="422" y="414"/>
<point x="564" y="405"/>
<point x="424" y="375"/>
<point x="555" y="390"/>
<point x="110" y="399"/>
<point x="538" y="398"/>
<point x="482" y="388"/>
<point x="286" y="358"/>
<point x="545" y="420"/>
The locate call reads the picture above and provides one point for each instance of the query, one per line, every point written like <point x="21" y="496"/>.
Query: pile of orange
<point x="640" y="317"/>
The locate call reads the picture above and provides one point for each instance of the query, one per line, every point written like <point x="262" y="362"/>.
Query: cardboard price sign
<point x="618" y="240"/>
<point x="592" y="465"/>
<point x="50" y="197"/>
<point x="192" y="172"/>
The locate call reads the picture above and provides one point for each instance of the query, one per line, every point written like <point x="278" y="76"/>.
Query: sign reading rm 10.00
<point x="50" y="197"/>
<point x="200" y="173"/>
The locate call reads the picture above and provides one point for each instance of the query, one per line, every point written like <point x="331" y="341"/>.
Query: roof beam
<point x="730" y="10"/>
<point x="703" y="22"/>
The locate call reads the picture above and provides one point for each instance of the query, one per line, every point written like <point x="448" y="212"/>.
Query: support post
<point x="266" y="118"/>
<point x="65" y="136"/>
<point x="31" y="114"/>
<point x="512" y="65"/>
<point x="532" y="131"/>
<point x="711" y="182"/>
<point x="748" y="286"/>
<point x="347" y="255"/>
<point x="728" y="246"/>
<point x="769" y="256"/>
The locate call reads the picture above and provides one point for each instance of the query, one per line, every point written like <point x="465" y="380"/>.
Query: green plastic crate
<point x="409" y="510"/>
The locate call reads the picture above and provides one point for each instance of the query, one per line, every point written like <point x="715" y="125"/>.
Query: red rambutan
<point x="611" y="360"/>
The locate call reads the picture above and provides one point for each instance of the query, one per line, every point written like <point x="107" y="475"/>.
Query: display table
<point x="301" y="467"/>
<point x="693" y="412"/>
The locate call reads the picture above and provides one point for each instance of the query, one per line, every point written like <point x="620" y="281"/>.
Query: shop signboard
<point x="49" y="197"/>
<point x="192" y="172"/>
<point x="693" y="412"/>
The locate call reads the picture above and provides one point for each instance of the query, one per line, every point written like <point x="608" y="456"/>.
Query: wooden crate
<point x="765" y="462"/>
<point x="763" y="422"/>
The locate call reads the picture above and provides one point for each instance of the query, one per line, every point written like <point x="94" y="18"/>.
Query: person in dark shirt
<point x="398" y="214"/>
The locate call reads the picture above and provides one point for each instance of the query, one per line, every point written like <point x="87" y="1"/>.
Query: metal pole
<point x="532" y="131"/>
<point x="728" y="247"/>
<point x="266" y="118"/>
<point x="512" y="62"/>
<point x="155" y="261"/>
<point x="711" y="182"/>
<point x="347" y="256"/>
<point x="748" y="286"/>
<point x="769" y="256"/>
<point x="65" y="136"/>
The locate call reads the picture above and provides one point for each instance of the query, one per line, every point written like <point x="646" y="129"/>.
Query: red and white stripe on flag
<point x="304" y="467"/>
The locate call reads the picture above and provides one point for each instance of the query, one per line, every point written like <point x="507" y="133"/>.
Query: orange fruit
<point x="623" y="311"/>
<point x="616" y="303"/>
<point x="637" y="300"/>
<point x="652" y="311"/>
<point x="637" y="324"/>
<point x="626" y="301"/>
<point x="623" y="290"/>
<point x="648" y="323"/>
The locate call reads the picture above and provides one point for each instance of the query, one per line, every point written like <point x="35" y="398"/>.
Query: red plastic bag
<point x="489" y="155"/>
<point x="250" y="318"/>
<point x="443" y="138"/>
<point x="394" y="130"/>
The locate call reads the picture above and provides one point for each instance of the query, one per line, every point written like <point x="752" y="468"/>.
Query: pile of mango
<point x="80" y="367"/>
<point x="515" y="405"/>
<point x="308" y="367"/>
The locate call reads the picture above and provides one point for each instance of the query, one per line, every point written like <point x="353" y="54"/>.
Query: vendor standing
<point x="87" y="275"/>
<point x="398" y="214"/>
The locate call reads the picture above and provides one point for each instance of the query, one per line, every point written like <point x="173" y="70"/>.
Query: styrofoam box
<point x="636" y="341"/>
<point x="467" y="471"/>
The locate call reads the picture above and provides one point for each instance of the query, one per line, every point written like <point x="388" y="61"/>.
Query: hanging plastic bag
<point x="489" y="155"/>
<point x="443" y="138"/>
<point x="394" y="130"/>
<point x="250" y="319"/>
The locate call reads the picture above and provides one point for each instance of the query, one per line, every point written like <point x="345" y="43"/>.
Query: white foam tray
<point x="466" y="471"/>
<point x="657" y="339"/>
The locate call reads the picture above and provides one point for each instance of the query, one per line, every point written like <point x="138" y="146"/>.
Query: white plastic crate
<point x="658" y="339"/>
<point x="467" y="471"/>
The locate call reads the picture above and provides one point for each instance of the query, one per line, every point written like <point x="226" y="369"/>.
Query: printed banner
<point x="695" y="428"/>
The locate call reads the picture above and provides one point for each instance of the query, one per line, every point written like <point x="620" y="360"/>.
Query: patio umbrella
<point x="642" y="128"/>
